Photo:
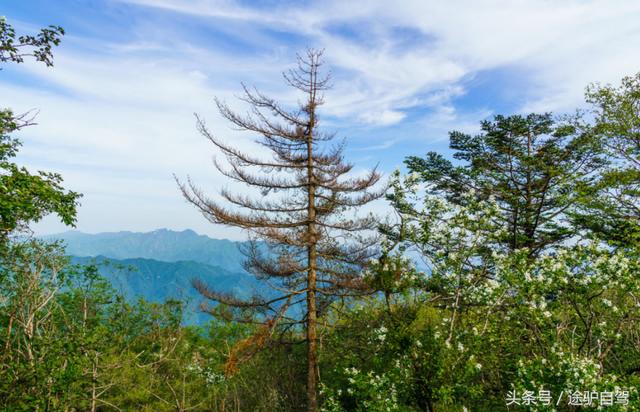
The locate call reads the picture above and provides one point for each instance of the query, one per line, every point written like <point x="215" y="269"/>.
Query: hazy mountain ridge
<point x="162" y="245"/>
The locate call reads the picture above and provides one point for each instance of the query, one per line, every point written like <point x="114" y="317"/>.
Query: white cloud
<point x="383" y="118"/>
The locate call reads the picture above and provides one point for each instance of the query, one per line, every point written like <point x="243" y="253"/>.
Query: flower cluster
<point x="210" y="376"/>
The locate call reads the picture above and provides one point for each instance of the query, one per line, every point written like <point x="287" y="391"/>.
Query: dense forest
<point x="506" y="276"/>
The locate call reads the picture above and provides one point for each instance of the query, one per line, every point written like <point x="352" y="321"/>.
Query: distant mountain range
<point x="163" y="245"/>
<point x="161" y="264"/>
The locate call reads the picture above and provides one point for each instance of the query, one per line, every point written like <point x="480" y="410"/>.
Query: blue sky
<point x="116" y="111"/>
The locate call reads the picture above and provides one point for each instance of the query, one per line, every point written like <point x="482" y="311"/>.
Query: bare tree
<point x="303" y="244"/>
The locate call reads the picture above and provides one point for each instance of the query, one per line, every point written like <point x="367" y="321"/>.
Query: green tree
<point x="612" y="204"/>
<point x="27" y="197"/>
<point x="40" y="365"/>
<point x="531" y="165"/>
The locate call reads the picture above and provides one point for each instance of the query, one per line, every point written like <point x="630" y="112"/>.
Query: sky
<point x="115" y="114"/>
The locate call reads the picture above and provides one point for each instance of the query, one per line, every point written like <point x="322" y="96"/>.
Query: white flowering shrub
<point x="571" y="380"/>
<point x="400" y="362"/>
<point x="208" y="373"/>
<point x="367" y="391"/>
<point x="484" y="320"/>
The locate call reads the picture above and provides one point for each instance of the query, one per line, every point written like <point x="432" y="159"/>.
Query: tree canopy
<point x="532" y="166"/>
<point x="27" y="197"/>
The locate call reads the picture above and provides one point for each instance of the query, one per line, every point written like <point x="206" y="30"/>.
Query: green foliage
<point x="15" y="49"/>
<point x="26" y="197"/>
<point x="495" y="313"/>
<point x="565" y="322"/>
<point x="530" y="165"/>
<point x="71" y="343"/>
<point x="35" y="365"/>
<point x="612" y="206"/>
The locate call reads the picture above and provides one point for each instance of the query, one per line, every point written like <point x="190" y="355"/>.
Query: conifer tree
<point x="304" y="246"/>
<point x="531" y="165"/>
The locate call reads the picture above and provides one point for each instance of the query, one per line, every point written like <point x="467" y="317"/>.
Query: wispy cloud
<point x="563" y="45"/>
